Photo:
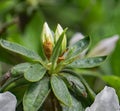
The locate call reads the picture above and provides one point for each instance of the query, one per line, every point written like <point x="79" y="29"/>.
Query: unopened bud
<point x="58" y="32"/>
<point x="47" y="40"/>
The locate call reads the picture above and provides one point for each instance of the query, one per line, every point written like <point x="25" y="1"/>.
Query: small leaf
<point x="75" y="50"/>
<point x="19" y="50"/>
<point x="36" y="95"/>
<point x="75" y="84"/>
<point x="20" y="69"/>
<point x="60" y="90"/>
<point x="34" y="73"/>
<point x="76" y="106"/>
<point x="56" y="51"/>
<point x="87" y="62"/>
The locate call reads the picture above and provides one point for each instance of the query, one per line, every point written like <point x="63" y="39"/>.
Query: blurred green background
<point x="21" y="21"/>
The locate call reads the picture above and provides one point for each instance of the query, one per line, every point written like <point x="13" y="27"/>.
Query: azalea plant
<point x="49" y="80"/>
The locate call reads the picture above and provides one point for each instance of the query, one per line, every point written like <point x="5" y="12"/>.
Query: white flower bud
<point x="106" y="100"/>
<point x="7" y="102"/>
<point x="46" y="34"/>
<point x="47" y="40"/>
<point x="104" y="47"/>
<point x="58" y="32"/>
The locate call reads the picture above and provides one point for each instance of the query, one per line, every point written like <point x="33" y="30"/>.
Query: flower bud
<point x="58" y="32"/>
<point x="104" y="47"/>
<point x="47" y="40"/>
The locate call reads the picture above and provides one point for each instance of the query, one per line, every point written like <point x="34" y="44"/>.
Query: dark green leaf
<point x="19" y="49"/>
<point x="20" y="69"/>
<point x="34" y="73"/>
<point x="60" y="90"/>
<point x="87" y="62"/>
<point x="75" y="50"/>
<point x="89" y="90"/>
<point x="76" y="106"/>
<point x="75" y="85"/>
<point x="36" y="95"/>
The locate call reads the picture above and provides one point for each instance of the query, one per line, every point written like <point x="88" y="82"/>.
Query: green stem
<point x="11" y="80"/>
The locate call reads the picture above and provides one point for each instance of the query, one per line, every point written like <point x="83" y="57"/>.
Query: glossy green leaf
<point x="16" y="48"/>
<point x="75" y="50"/>
<point x="87" y="62"/>
<point x="36" y="95"/>
<point x="75" y="84"/>
<point x="7" y="57"/>
<point x="34" y="73"/>
<point x="60" y="90"/>
<point x="76" y="106"/>
<point x="89" y="90"/>
<point x="20" y="69"/>
<point x="56" y="50"/>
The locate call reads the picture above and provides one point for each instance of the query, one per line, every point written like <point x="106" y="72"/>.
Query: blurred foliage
<point x="21" y="21"/>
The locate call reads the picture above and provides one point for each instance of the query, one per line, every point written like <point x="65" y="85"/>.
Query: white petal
<point x="104" y="47"/>
<point x="47" y="34"/>
<point x="106" y="100"/>
<point x="7" y="102"/>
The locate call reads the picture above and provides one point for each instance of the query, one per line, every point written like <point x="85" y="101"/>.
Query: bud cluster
<point x="49" y="39"/>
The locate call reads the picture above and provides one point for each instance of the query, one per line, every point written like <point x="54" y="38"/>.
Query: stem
<point x="10" y="80"/>
<point x="51" y="103"/>
<point x="8" y="24"/>
<point x="4" y="78"/>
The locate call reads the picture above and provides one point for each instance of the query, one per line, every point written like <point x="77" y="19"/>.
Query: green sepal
<point x="56" y="50"/>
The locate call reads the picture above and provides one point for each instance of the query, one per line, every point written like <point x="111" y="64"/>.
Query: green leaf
<point x="113" y="81"/>
<point x="60" y="90"/>
<point x="75" y="50"/>
<point x="75" y="85"/>
<point x="34" y="73"/>
<point x="20" y="69"/>
<point x="89" y="90"/>
<point x="33" y="35"/>
<point x="36" y="95"/>
<point x="56" y="50"/>
<point x="115" y="62"/>
<point x="7" y="57"/>
<point x="87" y="62"/>
<point x="19" y="50"/>
<point x="76" y="106"/>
